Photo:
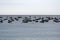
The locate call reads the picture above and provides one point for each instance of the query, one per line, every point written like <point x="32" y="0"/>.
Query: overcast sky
<point x="29" y="6"/>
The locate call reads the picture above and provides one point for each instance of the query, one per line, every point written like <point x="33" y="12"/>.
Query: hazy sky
<point x="29" y="6"/>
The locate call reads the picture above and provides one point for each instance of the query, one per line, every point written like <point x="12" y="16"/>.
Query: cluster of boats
<point x="30" y="19"/>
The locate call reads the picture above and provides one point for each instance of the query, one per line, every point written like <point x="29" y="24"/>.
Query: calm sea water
<point x="46" y="31"/>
